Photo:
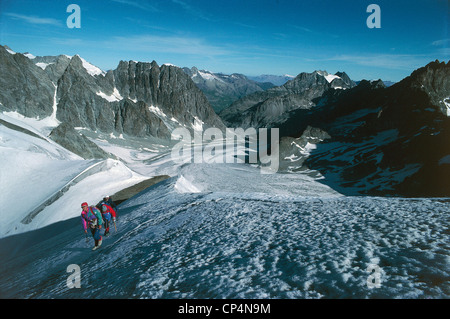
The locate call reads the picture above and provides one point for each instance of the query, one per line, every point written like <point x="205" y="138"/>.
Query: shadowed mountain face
<point x="380" y="141"/>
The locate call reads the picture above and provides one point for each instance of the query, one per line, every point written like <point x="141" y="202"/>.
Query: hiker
<point x="108" y="200"/>
<point x="92" y="218"/>
<point x="108" y="213"/>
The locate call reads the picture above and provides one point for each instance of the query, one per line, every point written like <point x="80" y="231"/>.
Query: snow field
<point x="34" y="169"/>
<point x="224" y="245"/>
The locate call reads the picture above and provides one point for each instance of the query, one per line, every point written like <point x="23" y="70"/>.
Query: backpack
<point x="86" y="216"/>
<point x="105" y="216"/>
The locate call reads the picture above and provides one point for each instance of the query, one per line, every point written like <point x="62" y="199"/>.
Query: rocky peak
<point x="434" y="80"/>
<point x="372" y="84"/>
<point x="137" y="98"/>
<point x="24" y="87"/>
<point x="342" y="81"/>
<point x="305" y="81"/>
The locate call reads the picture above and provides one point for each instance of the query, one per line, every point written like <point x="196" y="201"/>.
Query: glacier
<point x="211" y="230"/>
<point x="234" y="244"/>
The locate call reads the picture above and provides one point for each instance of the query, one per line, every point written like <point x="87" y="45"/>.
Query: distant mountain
<point x="377" y="140"/>
<point x="262" y="109"/>
<point x="276" y="80"/>
<point x="137" y="99"/>
<point x="222" y="89"/>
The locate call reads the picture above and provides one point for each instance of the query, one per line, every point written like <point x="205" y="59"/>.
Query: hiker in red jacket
<point x="108" y="214"/>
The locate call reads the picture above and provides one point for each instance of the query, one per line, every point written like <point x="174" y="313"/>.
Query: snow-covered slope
<point x="240" y="243"/>
<point x="43" y="183"/>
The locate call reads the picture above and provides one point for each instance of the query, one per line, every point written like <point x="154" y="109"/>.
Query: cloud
<point x="168" y="44"/>
<point x="139" y="5"/>
<point x="441" y="42"/>
<point x="389" y="61"/>
<point x="302" y="28"/>
<point x="35" y="20"/>
<point x="313" y="32"/>
<point x="442" y="48"/>
<point x="245" y="25"/>
<point x="152" y="44"/>
<point x="66" y="41"/>
<point x="192" y="11"/>
<point x="444" y="52"/>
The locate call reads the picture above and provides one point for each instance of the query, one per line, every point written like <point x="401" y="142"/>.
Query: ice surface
<point x="38" y="126"/>
<point x="43" y="65"/>
<point x="327" y="76"/>
<point x="34" y="170"/>
<point x="184" y="186"/>
<point x="198" y="124"/>
<point x="447" y="105"/>
<point x="91" y="69"/>
<point x="157" y="111"/>
<point x="211" y="231"/>
<point x="209" y="76"/>
<point x="114" y="97"/>
<point x="29" y="56"/>
<point x="246" y="245"/>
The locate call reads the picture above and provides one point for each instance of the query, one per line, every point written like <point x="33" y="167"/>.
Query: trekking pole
<point x="115" y="225"/>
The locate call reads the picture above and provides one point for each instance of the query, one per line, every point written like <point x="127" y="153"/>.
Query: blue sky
<point x="252" y="37"/>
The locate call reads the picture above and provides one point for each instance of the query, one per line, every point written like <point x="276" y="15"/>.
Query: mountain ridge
<point x="123" y="101"/>
<point x="262" y="109"/>
<point x="222" y="89"/>
<point x="383" y="141"/>
<point x="368" y="138"/>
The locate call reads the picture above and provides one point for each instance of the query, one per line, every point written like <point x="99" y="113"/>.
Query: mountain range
<point x="276" y="80"/>
<point x="221" y="89"/>
<point x="128" y="100"/>
<point x="72" y="133"/>
<point x="262" y="109"/>
<point x="377" y="140"/>
<point x="363" y="138"/>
